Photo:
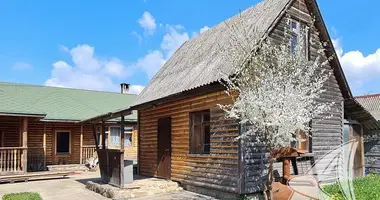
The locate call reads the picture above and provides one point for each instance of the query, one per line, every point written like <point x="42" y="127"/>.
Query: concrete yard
<point x="73" y="188"/>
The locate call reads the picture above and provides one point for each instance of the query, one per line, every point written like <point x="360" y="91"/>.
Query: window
<point x="302" y="142"/>
<point x="298" y="30"/>
<point x="346" y="133"/>
<point x="200" y="132"/>
<point x="62" y="142"/>
<point x="115" y="136"/>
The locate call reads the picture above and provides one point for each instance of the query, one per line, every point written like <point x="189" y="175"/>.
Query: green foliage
<point x="365" y="188"/>
<point x="22" y="196"/>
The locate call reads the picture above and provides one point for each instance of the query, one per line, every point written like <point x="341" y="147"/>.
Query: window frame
<point x="110" y="145"/>
<point x="56" y="138"/>
<point x="300" y="26"/>
<point x="202" y="124"/>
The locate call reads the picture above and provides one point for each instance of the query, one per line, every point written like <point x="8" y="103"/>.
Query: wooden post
<point x="95" y="136"/>
<point x="122" y="151"/>
<point x="122" y="124"/>
<point x="103" y="129"/>
<point x="44" y="144"/>
<point x="25" y="143"/>
<point x="81" y="145"/>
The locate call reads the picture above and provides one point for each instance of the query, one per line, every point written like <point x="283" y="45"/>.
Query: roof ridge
<point x="367" y="96"/>
<point x="60" y="88"/>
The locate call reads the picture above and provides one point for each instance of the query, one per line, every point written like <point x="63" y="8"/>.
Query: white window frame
<point x="55" y="144"/>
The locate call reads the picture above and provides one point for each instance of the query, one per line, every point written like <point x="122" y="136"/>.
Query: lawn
<point x="366" y="188"/>
<point x="22" y="196"/>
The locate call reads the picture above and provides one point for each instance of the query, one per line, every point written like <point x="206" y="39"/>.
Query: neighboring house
<point x="39" y="125"/>
<point x="372" y="143"/>
<point x="183" y="135"/>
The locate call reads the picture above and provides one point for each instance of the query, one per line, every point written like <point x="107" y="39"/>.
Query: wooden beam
<point x="24" y="130"/>
<point x="81" y="145"/>
<point x="122" y="124"/>
<point x="44" y="144"/>
<point x="95" y="136"/>
<point x="103" y="131"/>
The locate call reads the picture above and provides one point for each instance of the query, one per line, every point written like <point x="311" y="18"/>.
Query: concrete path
<point x="181" y="195"/>
<point x="71" y="188"/>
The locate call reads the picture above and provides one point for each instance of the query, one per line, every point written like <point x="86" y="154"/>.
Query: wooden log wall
<point x="327" y="133"/>
<point x="217" y="170"/>
<point x="9" y="126"/>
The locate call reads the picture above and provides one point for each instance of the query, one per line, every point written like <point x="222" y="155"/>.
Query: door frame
<point x="158" y="147"/>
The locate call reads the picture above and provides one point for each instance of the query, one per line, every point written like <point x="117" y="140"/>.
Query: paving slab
<point x="70" y="188"/>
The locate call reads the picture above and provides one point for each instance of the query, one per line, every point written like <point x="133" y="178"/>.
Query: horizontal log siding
<point x="327" y="133"/>
<point x="218" y="170"/>
<point x="9" y="126"/>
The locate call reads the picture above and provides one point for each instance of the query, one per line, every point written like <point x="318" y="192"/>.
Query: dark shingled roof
<point x="199" y="61"/>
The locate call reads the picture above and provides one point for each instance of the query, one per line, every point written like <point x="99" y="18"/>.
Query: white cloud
<point x="359" y="69"/>
<point x="135" y="89"/>
<point x="87" y="71"/>
<point x="20" y="66"/>
<point x="148" y="23"/>
<point x="205" y="28"/>
<point x="138" y="36"/>
<point x="151" y="62"/>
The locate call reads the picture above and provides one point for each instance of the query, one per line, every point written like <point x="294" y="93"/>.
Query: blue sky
<point x="98" y="44"/>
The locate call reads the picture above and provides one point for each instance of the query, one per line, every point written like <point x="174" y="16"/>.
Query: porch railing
<point x="12" y="160"/>
<point x="88" y="152"/>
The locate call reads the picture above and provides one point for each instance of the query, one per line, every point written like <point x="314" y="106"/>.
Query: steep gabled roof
<point x="62" y="104"/>
<point x="371" y="103"/>
<point x="199" y="61"/>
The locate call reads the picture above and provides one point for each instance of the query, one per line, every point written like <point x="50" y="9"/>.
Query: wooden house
<point x="372" y="142"/>
<point x="40" y="126"/>
<point x="182" y="133"/>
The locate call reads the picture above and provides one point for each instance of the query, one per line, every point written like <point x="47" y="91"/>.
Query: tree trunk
<point x="268" y="186"/>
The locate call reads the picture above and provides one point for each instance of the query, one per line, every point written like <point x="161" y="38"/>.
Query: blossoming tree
<point x="275" y="88"/>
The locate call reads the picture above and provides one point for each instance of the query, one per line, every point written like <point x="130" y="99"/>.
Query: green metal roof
<point x="60" y="103"/>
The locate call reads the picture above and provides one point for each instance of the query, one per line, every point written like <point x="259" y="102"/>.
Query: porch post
<point x="44" y="144"/>
<point x="122" y="151"/>
<point x="103" y="135"/>
<point x="24" y="130"/>
<point x="81" y="144"/>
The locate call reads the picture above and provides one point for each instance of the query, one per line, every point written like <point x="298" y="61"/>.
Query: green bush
<point x="364" y="188"/>
<point x="22" y="196"/>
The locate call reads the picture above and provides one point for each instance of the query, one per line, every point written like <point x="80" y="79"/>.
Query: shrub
<point x="22" y="196"/>
<point x="364" y="188"/>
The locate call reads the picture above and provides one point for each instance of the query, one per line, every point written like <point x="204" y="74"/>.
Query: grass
<point x="364" y="188"/>
<point x="22" y="196"/>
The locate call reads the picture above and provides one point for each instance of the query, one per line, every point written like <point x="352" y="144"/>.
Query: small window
<point x="346" y="133"/>
<point x="128" y="130"/>
<point x="298" y="29"/>
<point x="200" y="132"/>
<point x="63" y="142"/>
<point x="115" y="136"/>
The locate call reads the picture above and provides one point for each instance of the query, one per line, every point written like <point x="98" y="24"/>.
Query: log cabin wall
<point x="217" y="170"/>
<point x="10" y="131"/>
<point x="327" y="133"/>
<point x="10" y="137"/>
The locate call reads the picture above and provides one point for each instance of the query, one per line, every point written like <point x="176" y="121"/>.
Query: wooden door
<point x="164" y="148"/>
<point x="357" y="134"/>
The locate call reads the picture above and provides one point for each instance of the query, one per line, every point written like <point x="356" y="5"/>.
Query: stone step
<point x="71" y="167"/>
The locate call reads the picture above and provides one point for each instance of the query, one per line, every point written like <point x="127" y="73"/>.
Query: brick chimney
<point x="124" y="88"/>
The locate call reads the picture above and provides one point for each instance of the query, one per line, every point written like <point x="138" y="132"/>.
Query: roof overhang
<point x="109" y="116"/>
<point x="353" y="110"/>
<point x="22" y="115"/>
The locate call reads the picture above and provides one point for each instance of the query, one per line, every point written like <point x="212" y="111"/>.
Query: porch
<point x="29" y="145"/>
